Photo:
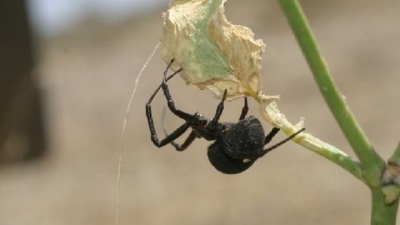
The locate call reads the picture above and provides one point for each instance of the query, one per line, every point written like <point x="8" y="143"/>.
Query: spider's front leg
<point x="174" y="135"/>
<point x="245" y="109"/>
<point x="220" y="108"/>
<point x="194" y="120"/>
<point x="189" y="140"/>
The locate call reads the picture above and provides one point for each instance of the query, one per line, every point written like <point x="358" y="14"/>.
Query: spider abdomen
<point x="244" y="144"/>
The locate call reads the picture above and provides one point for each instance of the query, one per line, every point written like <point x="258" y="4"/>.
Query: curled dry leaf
<point x="214" y="54"/>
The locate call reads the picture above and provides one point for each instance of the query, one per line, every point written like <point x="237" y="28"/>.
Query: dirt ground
<point x="87" y="77"/>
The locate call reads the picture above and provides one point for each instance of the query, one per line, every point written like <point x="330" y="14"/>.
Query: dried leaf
<point x="214" y="54"/>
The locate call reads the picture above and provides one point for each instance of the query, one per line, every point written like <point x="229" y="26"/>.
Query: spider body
<point x="240" y="146"/>
<point x="236" y="145"/>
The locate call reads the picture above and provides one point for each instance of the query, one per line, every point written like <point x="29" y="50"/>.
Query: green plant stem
<point x="395" y="158"/>
<point x="272" y="114"/>
<point x="372" y="164"/>
<point x="345" y="162"/>
<point x="382" y="213"/>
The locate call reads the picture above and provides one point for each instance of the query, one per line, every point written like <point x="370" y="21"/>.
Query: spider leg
<point x="265" y="151"/>
<point x="220" y="108"/>
<point x="189" y="140"/>
<point x="167" y="79"/>
<point x="245" y="109"/>
<point x="174" y="135"/>
<point x="192" y="136"/>
<point x="171" y="137"/>
<point x="271" y="135"/>
<point x="171" y="105"/>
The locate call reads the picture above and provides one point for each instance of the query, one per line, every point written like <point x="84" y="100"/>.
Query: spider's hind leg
<point x="273" y="133"/>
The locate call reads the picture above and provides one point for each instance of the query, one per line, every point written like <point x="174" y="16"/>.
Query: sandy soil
<point x="88" y="76"/>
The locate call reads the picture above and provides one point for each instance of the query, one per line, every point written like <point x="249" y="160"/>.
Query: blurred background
<point x="67" y="69"/>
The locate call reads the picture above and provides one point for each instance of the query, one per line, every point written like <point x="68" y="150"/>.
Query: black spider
<point x="236" y="145"/>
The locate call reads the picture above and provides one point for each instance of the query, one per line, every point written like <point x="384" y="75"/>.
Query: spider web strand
<point x="123" y="130"/>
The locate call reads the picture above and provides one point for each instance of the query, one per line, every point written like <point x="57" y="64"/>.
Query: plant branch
<point x="371" y="162"/>
<point x="395" y="158"/>
<point x="270" y="112"/>
<point x="383" y="213"/>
